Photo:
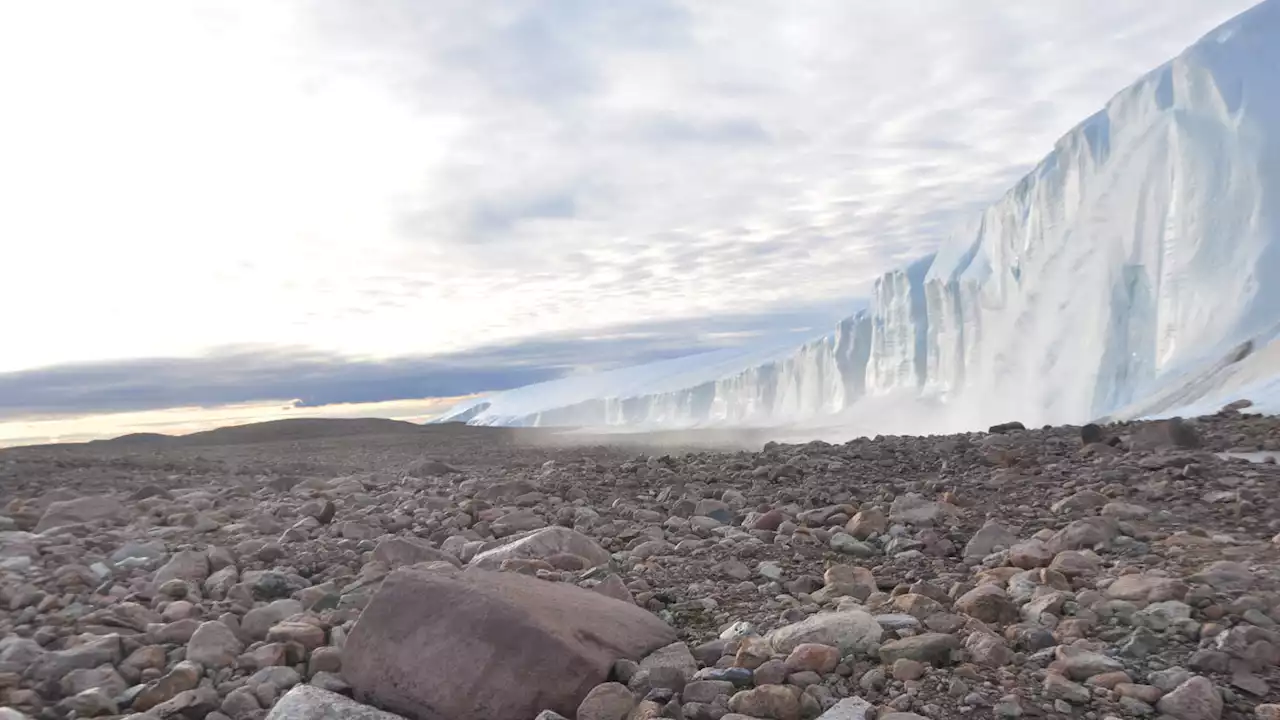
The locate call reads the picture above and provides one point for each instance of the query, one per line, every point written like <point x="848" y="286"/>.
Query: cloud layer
<point x="397" y="179"/>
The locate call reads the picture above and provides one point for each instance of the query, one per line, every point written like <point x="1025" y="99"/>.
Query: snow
<point x="1119" y="278"/>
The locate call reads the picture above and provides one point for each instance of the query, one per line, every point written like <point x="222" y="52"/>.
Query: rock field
<point x="304" y="571"/>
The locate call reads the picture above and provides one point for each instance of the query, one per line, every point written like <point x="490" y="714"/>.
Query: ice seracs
<point x="1132" y="271"/>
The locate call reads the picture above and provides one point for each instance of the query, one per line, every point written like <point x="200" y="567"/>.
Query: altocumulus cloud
<point x="407" y="181"/>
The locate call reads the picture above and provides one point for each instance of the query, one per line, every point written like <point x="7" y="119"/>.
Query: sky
<point x="340" y="201"/>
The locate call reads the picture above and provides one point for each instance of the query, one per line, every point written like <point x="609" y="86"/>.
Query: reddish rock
<point x="514" y="645"/>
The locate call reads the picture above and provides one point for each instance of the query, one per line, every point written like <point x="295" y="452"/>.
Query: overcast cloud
<point x="393" y="179"/>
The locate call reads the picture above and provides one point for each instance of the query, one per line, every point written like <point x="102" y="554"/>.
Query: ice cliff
<point x="1129" y="272"/>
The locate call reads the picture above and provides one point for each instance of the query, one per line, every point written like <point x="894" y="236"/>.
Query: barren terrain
<point x="1125" y="571"/>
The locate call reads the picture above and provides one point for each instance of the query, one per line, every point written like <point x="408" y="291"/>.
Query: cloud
<point x="398" y="179"/>
<point x="237" y="375"/>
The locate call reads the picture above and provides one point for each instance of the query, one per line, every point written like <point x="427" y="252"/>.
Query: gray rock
<point x="1195" y="699"/>
<point x="96" y="508"/>
<point x="610" y="701"/>
<point x="707" y="691"/>
<point x="214" y="645"/>
<point x="258" y="621"/>
<point x="105" y="650"/>
<point x="542" y="544"/>
<point x="853" y="631"/>
<point x="189" y="566"/>
<point x="853" y="708"/>
<point x="992" y="536"/>
<point x="933" y="648"/>
<point x="307" y="702"/>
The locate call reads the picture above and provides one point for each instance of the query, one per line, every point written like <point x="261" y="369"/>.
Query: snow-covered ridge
<point x="1140" y="253"/>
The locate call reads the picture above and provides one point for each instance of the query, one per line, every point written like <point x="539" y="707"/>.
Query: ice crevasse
<point x="1134" y="271"/>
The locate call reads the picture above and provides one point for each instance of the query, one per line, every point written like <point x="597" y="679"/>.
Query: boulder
<point x="850" y="630"/>
<point x="307" y="702"/>
<point x="991" y="537"/>
<point x="398" y="552"/>
<point x="1195" y="699"/>
<point x="514" y="645"/>
<point x="1146" y="588"/>
<point x="542" y="544"/>
<point x="80" y="511"/>
<point x="1171" y="433"/>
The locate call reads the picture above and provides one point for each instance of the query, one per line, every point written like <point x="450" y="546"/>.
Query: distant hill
<point x="291" y="429"/>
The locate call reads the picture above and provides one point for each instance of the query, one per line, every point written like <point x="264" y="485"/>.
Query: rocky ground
<point x="1128" y="571"/>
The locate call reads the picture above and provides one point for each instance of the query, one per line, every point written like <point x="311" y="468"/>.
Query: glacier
<point x="1133" y="272"/>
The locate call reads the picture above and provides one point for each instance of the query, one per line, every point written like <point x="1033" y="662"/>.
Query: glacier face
<point x="1123" y="274"/>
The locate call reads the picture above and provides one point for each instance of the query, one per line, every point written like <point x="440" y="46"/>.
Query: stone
<point x="988" y="650"/>
<point x="259" y="620"/>
<point x="324" y="659"/>
<point x="399" y="552"/>
<point x="1080" y="664"/>
<point x="541" y="544"/>
<point x="852" y="631"/>
<point x="813" y="656"/>
<point x="214" y="645"/>
<point x="905" y="670"/>
<point x="1148" y="694"/>
<point x="240" y="703"/>
<point x="1083" y="534"/>
<point x="992" y="536"/>
<point x="774" y="702"/>
<point x="307" y="702"/>
<point x="188" y="565"/>
<point x="1079" y="502"/>
<point x="914" y="509"/>
<point x="305" y="634"/>
<point x="770" y="672"/>
<point x="846" y="544"/>
<point x="853" y="708"/>
<point x="1267" y="712"/>
<point x="97" y="508"/>
<point x="867" y="523"/>
<point x="523" y="645"/>
<point x="610" y="701"/>
<point x="932" y="648"/>
<point x="1225" y="576"/>
<point x="1146" y="588"/>
<point x="105" y="650"/>
<point x="1194" y="699"/>
<point x="184" y="676"/>
<point x="668" y="667"/>
<point x="1174" y="433"/>
<point x="1057" y="687"/>
<point x="195" y="703"/>
<point x="1030" y="554"/>
<point x="707" y="691"/>
<point x="988" y="603"/>
<point x="1074" y="563"/>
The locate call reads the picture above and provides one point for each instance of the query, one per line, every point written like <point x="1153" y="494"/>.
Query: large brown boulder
<point x="499" y="646"/>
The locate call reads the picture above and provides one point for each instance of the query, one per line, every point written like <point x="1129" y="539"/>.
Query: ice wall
<point x="1143" y="248"/>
